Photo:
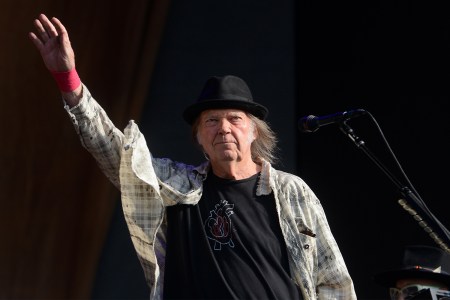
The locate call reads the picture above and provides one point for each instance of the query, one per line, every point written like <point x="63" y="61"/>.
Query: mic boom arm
<point x="412" y="202"/>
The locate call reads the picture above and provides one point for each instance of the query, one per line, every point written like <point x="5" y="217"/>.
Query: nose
<point x="224" y="127"/>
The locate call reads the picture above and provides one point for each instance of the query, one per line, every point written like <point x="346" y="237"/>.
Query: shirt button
<point x="306" y="247"/>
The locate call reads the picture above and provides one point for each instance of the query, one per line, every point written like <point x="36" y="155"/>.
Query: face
<point x="406" y="288"/>
<point x="225" y="134"/>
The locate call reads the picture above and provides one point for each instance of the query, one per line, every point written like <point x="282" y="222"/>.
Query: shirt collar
<point x="264" y="183"/>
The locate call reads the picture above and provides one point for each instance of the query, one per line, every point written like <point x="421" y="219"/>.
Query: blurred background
<point x="62" y="231"/>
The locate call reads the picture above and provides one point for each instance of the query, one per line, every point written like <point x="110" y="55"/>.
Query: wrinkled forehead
<point x="223" y="112"/>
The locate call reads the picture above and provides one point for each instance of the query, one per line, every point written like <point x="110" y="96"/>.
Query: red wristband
<point x="67" y="81"/>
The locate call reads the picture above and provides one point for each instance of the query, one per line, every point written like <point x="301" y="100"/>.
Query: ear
<point x="255" y="130"/>
<point x="198" y="141"/>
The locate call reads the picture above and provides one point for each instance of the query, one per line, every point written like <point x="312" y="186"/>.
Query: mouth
<point x="225" y="142"/>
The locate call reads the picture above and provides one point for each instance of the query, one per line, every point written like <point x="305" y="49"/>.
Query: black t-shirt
<point x="229" y="246"/>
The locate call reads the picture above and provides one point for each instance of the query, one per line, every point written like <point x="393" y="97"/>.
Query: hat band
<point x="228" y="97"/>
<point x="438" y="270"/>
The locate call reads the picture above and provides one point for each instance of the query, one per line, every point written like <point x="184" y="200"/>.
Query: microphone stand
<point x="412" y="203"/>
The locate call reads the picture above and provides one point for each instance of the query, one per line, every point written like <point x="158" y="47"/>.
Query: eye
<point x="235" y="118"/>
<point x="210" y="121"/>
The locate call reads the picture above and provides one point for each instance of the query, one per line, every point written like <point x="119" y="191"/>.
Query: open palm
<point x="52" y="41"/>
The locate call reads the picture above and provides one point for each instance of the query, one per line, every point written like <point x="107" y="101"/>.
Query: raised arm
<point x="96" y="131"/>
<point x="52" y="41"/>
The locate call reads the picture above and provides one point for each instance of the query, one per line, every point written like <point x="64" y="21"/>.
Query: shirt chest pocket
<point x="304" y="246"/>
<point x="307" y="237"/>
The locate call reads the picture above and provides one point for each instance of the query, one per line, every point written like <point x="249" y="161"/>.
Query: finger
<point x="41" y="30"/>
<point x="36" y="41"/>
<point x="62" y="33"/>
<point x="59" y="26"/>
<point x="48" y="26"/>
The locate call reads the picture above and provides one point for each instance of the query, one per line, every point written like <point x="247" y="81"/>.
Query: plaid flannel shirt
<point x="149" y="184"/>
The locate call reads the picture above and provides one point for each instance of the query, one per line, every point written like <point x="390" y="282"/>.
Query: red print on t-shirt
<point x="218" y="226"/>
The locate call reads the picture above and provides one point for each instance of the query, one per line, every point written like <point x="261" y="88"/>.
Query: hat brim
<point x="193" y="111"/>
<point x="389" y="278"/>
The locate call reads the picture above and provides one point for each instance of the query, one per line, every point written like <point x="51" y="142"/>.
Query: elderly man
<point x="232" y="228"/>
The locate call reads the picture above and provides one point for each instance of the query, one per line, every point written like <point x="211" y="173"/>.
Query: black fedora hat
<point x="225" y="92"/>
<point x="419" y="262"/>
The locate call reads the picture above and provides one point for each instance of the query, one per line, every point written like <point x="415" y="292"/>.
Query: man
<point x="424" y="274"/>
<point x="231" y="228"/>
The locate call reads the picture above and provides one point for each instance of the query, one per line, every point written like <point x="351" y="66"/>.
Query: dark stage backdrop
<point x="390" y="58"/>
<point x="310" y="57"/>
<point x="299" y="58"/>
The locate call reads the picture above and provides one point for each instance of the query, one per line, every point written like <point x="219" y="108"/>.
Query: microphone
<point x="312" y="123"/>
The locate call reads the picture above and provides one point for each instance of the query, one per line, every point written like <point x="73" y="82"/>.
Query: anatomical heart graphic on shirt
<point x="218" y="225"/>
